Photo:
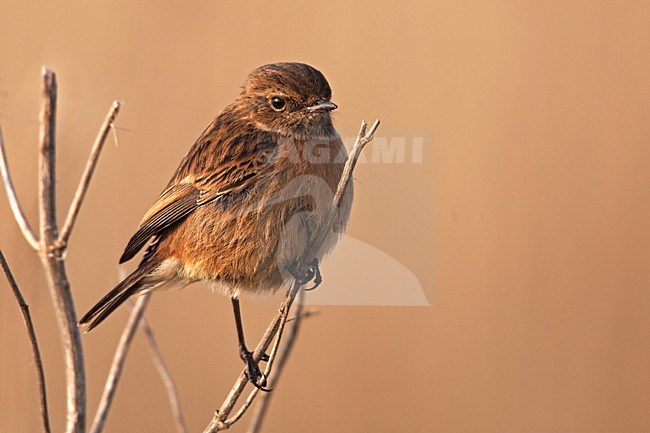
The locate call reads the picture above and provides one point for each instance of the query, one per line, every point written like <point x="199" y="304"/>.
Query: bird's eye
<point x="278" y="103"/>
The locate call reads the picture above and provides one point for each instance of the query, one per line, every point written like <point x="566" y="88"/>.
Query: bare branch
<point x="86" y="177"/>
<point x="118" y="362"/>
<point x="220" y="421"/>
<point x="264" y="400"/>
<point x="38" y="362"/>
<point x="52" y="257"/>
<point x="16" y="208"/>
<point x="166" y="377"/>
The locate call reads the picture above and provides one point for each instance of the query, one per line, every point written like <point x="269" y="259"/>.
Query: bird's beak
<point x="322" y="106"/>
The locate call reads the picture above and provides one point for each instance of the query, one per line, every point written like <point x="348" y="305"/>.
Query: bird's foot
<point x="312" y="274"/>
<point x="253" y="372"/>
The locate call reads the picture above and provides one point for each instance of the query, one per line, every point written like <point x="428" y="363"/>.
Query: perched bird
<point x="248" y="198"/>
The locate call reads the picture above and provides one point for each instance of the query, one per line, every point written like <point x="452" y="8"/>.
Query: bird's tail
<point x="131" y="285"/>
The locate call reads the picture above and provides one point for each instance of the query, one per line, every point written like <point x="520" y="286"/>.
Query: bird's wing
<point x="182" y="197"/>
<point x="174" y="204"/>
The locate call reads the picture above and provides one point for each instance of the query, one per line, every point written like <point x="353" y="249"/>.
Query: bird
<point x="247" y="200"/>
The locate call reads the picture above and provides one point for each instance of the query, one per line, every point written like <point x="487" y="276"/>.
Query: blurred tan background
<point x="526" y="224"/>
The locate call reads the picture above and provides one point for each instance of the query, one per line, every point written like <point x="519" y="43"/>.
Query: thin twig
<point x="38" y="362"/>
<point x="118" y="362"/>
<point x="86" y="177"/>
<point x="16" y="208"/>
<point x="264" y="400"/>
<point x="362" y="139"/>
<point x="220" y="420"/>
<point x="47" y="159"/>
<point x="166" y="377"/>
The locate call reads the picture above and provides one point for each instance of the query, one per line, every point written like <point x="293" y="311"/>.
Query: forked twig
<point x="52" y="257"/>
<point x="36" y="353"/>
<point x="221" y="420"/>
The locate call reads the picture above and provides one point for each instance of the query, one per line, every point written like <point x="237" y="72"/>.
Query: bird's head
<point x="292" y="99"/>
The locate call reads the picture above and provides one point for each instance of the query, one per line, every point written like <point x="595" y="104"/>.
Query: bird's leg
<point x="253" y="372"/>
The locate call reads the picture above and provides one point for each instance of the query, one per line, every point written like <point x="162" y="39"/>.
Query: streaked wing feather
<point x="209" y="194"/>
<point x="174" y="204"/>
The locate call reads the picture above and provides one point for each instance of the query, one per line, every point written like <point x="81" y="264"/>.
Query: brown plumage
<point x="248" y="197"/>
